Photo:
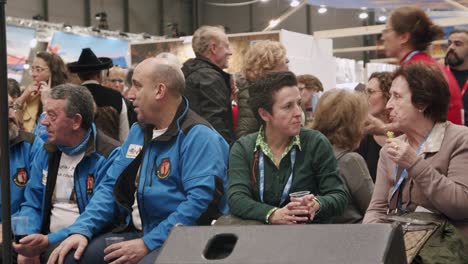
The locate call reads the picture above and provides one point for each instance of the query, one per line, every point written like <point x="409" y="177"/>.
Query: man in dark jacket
<point x="114" y="114"/>
<point x="207" y="85"/>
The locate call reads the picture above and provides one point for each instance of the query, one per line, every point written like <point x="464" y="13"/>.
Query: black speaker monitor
<point x="298" y="244"/>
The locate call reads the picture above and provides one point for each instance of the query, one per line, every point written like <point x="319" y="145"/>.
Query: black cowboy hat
<point x="88" y="62"/>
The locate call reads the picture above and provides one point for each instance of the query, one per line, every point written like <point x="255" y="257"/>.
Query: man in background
<point x="456" y="60"/>
<point x="207" y="85"/>
<point x="114" y="115"/>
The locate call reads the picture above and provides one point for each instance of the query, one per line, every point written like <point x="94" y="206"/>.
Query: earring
<point x="420" y="110"/>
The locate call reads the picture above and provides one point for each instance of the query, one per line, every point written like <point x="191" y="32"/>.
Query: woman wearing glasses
<point x="378" y="93"/>
<point x="47" y="70"/>
<point x="116" y="79"/>
<point x="408" y="34"/>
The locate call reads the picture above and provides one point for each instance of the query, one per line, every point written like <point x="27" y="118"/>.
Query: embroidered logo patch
<point x="44" y="177"/>
<point x="164" y="168"/>
<point x="133" y="151"/>
<point x="21" y="177"/>
<point x="90" y="184"/>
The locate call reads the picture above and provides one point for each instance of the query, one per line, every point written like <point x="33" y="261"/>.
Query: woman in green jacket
<point x="282" y="158"/>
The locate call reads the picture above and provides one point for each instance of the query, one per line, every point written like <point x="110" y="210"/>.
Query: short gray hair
<point x="78" y="100"/>
<point x="203" y="36"/>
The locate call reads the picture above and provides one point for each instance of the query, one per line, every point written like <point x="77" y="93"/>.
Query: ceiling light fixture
<point x="294" y="3"/>
<point x="274" y="23"/>
<point x="322" y="9"/>
<point x="382" y="18"/>
<point x="363" y="14"/>
<point x="67" y="27"/>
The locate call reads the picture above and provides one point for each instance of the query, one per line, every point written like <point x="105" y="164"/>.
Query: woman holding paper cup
<point x="425" y="168"/>
<point x="340" y="115"/>
<point x="47" y="70"/>
<point x="283" y="158"/>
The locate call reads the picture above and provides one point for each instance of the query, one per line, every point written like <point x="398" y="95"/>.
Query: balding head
<point x="162" y="70"/>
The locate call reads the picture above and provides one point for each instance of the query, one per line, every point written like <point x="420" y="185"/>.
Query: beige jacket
<point x="438" y="181"/>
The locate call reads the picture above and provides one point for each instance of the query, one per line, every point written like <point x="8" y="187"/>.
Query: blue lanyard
<point x="404" y="173"/>
<point x="414" y="52"/>
<point x="287" y="187"/>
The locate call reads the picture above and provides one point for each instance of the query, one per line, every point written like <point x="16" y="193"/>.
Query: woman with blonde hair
<point x="263" y="56"/>
<point x="116" y="79"/>
<point x="340" y="115"/>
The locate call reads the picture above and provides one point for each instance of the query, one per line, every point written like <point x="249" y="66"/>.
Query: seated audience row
<point x="172" y="168"/>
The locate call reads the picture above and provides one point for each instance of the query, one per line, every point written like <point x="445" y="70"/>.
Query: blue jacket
<point x="23" y="149"/>
<point x="88" y="175"/>
<point x="183" y="179"/>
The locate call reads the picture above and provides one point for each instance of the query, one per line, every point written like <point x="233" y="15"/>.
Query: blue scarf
<point x="77" y="149"/>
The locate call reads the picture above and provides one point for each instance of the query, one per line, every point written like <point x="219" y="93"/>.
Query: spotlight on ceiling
<point x="67" y="27"/>
<point x="38" y="17"/>
<point x="294" y="3"/>
<point x="274" y="23"/>
<point x="382" y="18"/>
<point x="322" y="10"/>
<point x="101" y="15"/>
<point x="363" y="14"/>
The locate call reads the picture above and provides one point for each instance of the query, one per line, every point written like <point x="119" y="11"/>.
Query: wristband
<point x="267" y="217"/>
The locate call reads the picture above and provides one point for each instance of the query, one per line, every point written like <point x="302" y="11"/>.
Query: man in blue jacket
<point x="171" y="169"/>
<point x="76" y="164"/>
<point x="24" y="147"/>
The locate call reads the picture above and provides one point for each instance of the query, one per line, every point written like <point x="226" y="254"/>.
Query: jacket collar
<point x="434" y="141"/>
<point x="90" y="145"/>
<point x="22" y="136"/>
<point x="174" y="127"/>
<point x="90" y="82"/>
<point x="225" y="75"/>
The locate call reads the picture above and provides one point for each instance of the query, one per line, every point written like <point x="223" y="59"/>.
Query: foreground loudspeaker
<point x="298" y="244"/>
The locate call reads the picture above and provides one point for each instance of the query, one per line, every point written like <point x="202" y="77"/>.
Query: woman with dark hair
<point x="378" y="93"/>
<point x="340" y="115"/>
<point x="266" y="167"/>
<point x="408" y="34"/>
<point x="424" y="169"/>
<point x="47" y="70"/>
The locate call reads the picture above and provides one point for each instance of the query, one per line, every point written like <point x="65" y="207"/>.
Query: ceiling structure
<point x="374" y="4"/>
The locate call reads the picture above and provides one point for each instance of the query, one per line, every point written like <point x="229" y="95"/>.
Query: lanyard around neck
<point x="465" y="87"/>
<point x="404" y="173"/>
<point x="411" y="55"/>
<point x="287" y="187"/>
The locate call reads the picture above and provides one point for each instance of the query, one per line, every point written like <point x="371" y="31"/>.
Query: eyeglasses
<point x="116" y="80"/>
<point x="369" y="91"/>
<point x="387" y="30"/>
<point x="37" y="69"/>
